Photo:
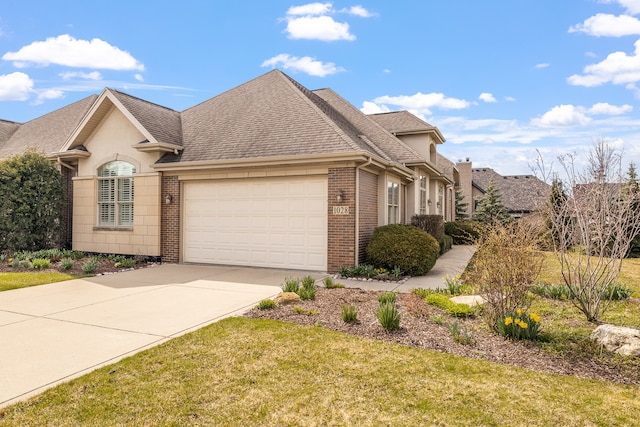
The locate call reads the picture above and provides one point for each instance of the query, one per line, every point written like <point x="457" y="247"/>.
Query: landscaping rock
<point x="469" y="300"/>
<point x="618" y="339"/>
<point x="287" y="298"/>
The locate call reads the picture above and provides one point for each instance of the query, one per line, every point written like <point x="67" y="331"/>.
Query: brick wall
<point x="170" y="220"/>
<point x="67" y="213"/>
<point x="341" y="228"/>
<point x="368" y="215"/>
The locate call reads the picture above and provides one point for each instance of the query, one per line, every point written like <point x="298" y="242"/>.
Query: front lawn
<point x="10" y="281"/>
<point x="262" y="372"/>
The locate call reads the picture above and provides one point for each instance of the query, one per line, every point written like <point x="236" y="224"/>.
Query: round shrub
<point x="463" y="232"/>
<point x="404" y="246"/>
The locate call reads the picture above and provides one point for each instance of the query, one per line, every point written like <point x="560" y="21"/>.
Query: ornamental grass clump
<point x="519" y="325"/>
<point x="349" y="313"/>
<point x="291" y="284"/>
<point x="329" y="283"/>
<point x="308" y="289"/>
<point x="389" y="316"/>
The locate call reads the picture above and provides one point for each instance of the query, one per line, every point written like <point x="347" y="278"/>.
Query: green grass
<point x="10" y="281"/>
<point x="261" y="372"/>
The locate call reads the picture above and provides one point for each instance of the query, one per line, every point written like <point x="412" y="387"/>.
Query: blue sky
<point x="501" y="79"/>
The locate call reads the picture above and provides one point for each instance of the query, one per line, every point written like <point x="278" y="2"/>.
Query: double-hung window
<point x="115" y="194"/>
<point x="393" y="202"/>
<point x="423" y="195"/>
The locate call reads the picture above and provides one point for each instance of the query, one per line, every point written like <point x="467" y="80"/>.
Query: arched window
<point x="115" y="194"/>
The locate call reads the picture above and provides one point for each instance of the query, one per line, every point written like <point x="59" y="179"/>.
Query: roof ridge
<point x="141" y="99"/>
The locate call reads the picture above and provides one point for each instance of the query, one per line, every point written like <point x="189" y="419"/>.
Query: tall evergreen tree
<point x="557" y="203"/>
<point x="461" y="205"/>
<point x="490" y="209"/>
<point x="632" y="190"/>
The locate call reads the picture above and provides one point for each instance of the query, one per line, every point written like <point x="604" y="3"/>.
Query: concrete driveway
<point x="55" y="332"/>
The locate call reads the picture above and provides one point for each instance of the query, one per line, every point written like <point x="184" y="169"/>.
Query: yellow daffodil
<point x="519" y="312"/>
<point x="508" y="321"/>
<point x="534" y="317"/>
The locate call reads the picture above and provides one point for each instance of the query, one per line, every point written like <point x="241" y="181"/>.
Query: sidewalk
<point x="453" y="262"/>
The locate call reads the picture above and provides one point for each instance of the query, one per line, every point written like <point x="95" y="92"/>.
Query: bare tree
<point x="603" y="220"/>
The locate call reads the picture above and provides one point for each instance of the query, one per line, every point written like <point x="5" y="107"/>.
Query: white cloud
<point x="617" y="68"/>
<point x="318" y="28"/>
<point x="68" y="51"/>
<point x="139" y="77"/>
<point x="487" y="97"/>
<point x="305" y="64"/>
<point x="359" y="11"/>
<point x="94" y="75"/>
<point x="311" y="9"/>
<point x="422" y="103"/>
<point x="369" y="107"/>
<point x="631" y="6"/>
<point x="563" y="116"/>
<point x="15" y="87"/>
<point x="608" y="109"/>
<point x="48" y="94"/>
<point x="543" y="65"/>
<point x="509" y="98"/>
<point x="607" y="25"/>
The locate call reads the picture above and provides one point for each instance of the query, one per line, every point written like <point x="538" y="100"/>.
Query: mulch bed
<point x="420" y="327"/>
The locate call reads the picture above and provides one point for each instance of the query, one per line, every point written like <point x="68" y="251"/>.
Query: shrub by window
<point x="464" y="232"/>
<point x="404" y="246"/>
<point x="115" y="194"/>
<point x="432" y="224"/>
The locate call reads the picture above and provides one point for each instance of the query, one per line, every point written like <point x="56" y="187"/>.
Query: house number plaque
<point x="341" y="210"/>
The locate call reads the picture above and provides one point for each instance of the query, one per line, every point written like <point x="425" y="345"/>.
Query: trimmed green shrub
<point x="454" y="309"/>
<point x="389" y="316"/>
<point x="432" y="224"/>
<point x="447" y="244"/>
<point x="349" y="313"/>
<point x="31" y="205"/>
<point x="403" y="246"/>
<point x="464" y="232"/>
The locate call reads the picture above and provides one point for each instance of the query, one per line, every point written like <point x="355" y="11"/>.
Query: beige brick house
<point x="267" y="174"/>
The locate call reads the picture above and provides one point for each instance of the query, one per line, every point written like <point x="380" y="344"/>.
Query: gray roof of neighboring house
<point x="163" y="123"/>
<point x="401" y="122"/>
<point x="47" y="133"/>
<point x="519" y="192"/>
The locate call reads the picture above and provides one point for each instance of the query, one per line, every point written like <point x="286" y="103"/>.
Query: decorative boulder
<point x="287" y="298"/>
<point x="470" y="300"/>
<point x="618" y="339"/>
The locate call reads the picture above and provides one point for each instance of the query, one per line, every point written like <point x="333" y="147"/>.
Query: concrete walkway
<point x="453" y="262"/>
<point x="55" y="332"/>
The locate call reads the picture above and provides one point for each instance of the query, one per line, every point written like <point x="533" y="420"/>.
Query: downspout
<point x="357" y="208"/>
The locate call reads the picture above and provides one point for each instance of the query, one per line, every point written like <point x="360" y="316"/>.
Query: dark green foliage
<point x="447" y="243"/>
<point x="463" y="232"/>
<point x="632" y="187"/>
<point x="557" y="202"/>
<point x="432" y="224"/>
<point x="490" y="209"/>
<point x="31" y="204"/>
<point x="407" y="247"/>
<point x="461" y="205"/>
<point x="613" y="292"/>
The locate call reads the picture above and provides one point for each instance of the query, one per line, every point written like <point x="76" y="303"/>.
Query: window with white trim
<point x="115" y="194"/>
<point x="393" y="202"/>
<point x="422" y="207"/>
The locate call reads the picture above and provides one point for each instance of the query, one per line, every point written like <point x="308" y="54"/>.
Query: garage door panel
<point x="266" y="222"/>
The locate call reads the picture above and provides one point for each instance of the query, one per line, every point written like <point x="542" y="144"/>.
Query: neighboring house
<point x="520" y="194"/>
<point x="267" y="174"/>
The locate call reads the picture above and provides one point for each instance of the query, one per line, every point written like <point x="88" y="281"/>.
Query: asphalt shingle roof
<point x="401" y="122"/>
<point x="519" y="192"/>
<point x="47" y="133"/>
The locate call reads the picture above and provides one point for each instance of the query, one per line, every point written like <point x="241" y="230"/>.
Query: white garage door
<point x="266" y="222"/>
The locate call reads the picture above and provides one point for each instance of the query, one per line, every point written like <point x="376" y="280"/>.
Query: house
<point x="520" y="194"/>
<point x="267" y="174"/>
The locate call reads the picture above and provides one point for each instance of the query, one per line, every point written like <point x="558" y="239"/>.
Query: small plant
<point x="308" y="282"/>
<point x="387" y="297"/>
<point x="396" y="272"/>
<point x="329" y="283"/>
<point x="422" y="293"/>
<point x="461" y="334"/>
<point x="618" y="292"/>
<point x="14" y="262"/>
<point x="365" y="270"/>
<point x="120" y="261"/>
<point x="300" y="310"/>
<point x="389" y="316"/>
<point x="438" y="320"/>
<point x="25" y="263"/>
<point x="519" y="325"/>
<point x="266" y="304"/>
<point x="349" y="313"/>
<point x="67" y="263"/>
<point x="547" y="290"/>
<point x="308" y="289"/>
<point x="454" y="309"/>
<point x="40" y="263"/>
<point x="291" y="284"/>
<point x="89" y="267"/>
<point x="454" y="284"/>
<point x="345" y="271"/>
